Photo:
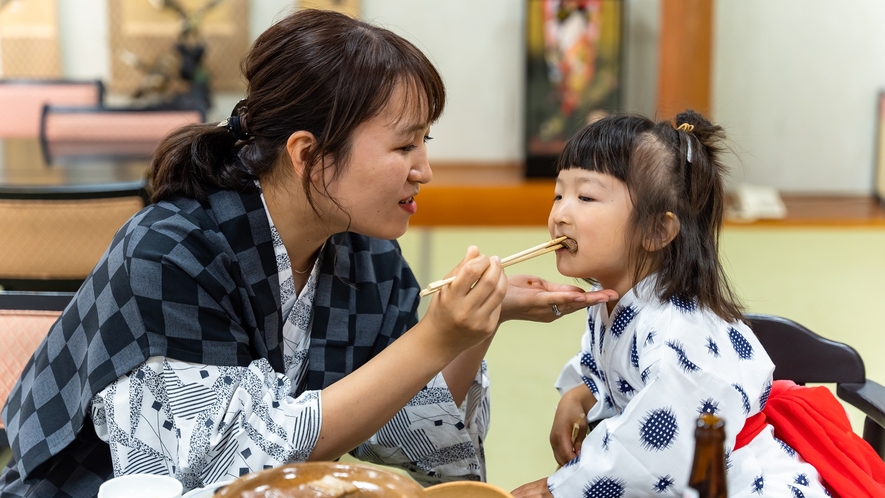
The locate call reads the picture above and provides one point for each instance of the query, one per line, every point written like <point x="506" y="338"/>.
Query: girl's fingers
<point x="582" y="433"/>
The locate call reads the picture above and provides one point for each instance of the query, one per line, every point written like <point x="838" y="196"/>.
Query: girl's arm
<point x="459" y="317"/>
<point x="570" y="413"/>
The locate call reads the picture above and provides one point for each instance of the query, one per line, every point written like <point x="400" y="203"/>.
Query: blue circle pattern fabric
<point x="654" y="367"/>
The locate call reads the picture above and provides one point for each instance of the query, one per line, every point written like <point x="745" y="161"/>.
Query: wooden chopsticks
<point x="549" y="246"/>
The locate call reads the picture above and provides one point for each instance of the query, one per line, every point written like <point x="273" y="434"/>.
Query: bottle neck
<point x="708" y="479"/>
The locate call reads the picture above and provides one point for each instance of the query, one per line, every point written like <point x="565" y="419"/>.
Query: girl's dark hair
<point x="317" y="71"/>
<point x="652" y="159"/>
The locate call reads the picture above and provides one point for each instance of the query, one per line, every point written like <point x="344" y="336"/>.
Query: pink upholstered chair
<point x="22" y="102"/>
<point x="95" y="131"/>
<point x="25" y="318"/>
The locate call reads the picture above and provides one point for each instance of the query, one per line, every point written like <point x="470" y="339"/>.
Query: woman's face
<point x="594" y="209"/>
<point x="386" y="166"/>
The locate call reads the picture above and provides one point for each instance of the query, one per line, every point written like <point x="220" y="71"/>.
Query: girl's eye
<point x="427" y="138"/>
<point x="584" y="198"/>
<point x="557" y="198"/>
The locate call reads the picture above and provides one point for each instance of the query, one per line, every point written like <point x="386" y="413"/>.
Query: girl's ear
<point x="664" y="232"/>
<point x="299" y="147"/>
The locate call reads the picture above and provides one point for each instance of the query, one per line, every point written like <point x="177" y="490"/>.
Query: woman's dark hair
<point x="317" y="71"/>
<point x="652" y="159"/>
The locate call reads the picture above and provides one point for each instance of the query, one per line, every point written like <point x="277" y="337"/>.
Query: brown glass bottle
<point x="707" y="478"/>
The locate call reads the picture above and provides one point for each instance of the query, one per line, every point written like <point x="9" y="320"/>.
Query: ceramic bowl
<point x="292" y="481"/>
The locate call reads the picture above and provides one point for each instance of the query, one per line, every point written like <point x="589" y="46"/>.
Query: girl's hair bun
<point x="706" y="132"/>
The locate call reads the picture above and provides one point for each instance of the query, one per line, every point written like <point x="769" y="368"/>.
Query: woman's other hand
<point x="532" y="298"/>
<point x="537" y="489"/>
<point x="467" y="311"/>
<point x="565" y="438"/>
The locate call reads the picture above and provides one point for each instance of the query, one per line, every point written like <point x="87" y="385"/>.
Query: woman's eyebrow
<point x="410" y="129"/>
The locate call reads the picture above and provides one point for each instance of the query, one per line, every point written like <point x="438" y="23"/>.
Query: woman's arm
<point x="528" y="298"/>
<point x="459" y="317"/>
<point x="434" y="440"/>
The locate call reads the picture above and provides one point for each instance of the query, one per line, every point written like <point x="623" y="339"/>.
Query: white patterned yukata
<point x="205" y="423"/>
<point x="653" y="368"/>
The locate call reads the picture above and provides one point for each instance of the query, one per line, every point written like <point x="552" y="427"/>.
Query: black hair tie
<point x="236" y="123"/>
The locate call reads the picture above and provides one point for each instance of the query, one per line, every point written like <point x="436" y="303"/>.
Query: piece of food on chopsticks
<point x="551" y="245"/>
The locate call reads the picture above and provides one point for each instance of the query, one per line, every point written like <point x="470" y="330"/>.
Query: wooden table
<point x="25" y="171"/>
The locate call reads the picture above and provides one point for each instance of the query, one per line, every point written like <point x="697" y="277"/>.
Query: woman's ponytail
<point x="194" y="157"/>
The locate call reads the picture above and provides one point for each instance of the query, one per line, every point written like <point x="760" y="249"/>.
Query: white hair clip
<point x="687" y="128"/>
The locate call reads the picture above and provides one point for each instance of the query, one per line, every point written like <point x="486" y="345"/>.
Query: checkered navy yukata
<point x="653" y="368"/>
<point x="190" y="324"/>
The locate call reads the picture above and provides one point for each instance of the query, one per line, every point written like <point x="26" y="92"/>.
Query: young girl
<point x="644" y="202"/>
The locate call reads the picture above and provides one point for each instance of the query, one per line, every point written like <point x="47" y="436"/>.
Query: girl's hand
<point x="466" y="312"/>
<point x="532" y="298"/>
<point x="571" y="411"/>
<point x="532" y="490"/>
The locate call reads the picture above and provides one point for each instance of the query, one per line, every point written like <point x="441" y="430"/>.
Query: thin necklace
<point x="309" y="266"/>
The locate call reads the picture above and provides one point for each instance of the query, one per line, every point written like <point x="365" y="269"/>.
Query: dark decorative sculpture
<point x="191" y="50"/>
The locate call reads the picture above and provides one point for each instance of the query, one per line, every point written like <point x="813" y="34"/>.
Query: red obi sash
<point x="813" y="422"/>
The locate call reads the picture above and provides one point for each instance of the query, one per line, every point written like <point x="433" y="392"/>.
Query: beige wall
<point x="795" y="84"/>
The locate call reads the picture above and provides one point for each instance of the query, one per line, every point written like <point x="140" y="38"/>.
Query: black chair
<point x="802" y="356"/>
<point x="25" y="318"/>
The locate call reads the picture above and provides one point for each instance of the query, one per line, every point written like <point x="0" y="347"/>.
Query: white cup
<point x="141" y="486"/>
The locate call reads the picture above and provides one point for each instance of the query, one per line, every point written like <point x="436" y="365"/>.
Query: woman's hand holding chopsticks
<point x="469" y="311"/>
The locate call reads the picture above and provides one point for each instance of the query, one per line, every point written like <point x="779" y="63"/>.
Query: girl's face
<point x="387" y="163"/>
<point x="594" y="209"/>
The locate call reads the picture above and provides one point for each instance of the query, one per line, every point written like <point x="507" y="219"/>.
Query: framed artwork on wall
<point x="879" y="169"/>
<point x="29" y="39"/>
<point x="573" y="68"/>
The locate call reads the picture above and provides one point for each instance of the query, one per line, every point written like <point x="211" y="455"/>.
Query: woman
<point x="259" y="311"/>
